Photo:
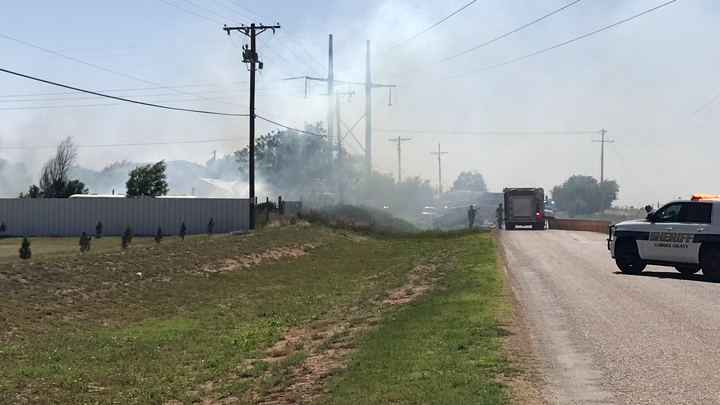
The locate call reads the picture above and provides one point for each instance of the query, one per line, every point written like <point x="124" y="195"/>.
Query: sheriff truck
<point x="684" y="234"/>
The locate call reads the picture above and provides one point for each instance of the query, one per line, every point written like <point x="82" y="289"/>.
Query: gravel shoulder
<point x="602" y="337"/>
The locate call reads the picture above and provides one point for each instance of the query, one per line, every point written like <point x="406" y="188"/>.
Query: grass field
<point x="291" y="313"/>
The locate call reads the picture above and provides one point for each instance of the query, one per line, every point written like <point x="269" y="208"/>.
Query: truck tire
<point x="539" y="226"/>
<point x="688" y="269"/>
<point x="628" y="259"/>
<point x="509" y="227"/>
<point x="710" y="263"/>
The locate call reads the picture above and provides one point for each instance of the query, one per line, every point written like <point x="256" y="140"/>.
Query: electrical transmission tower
<point x="439" y="155"/>
<point x="399" y="142"/>
<point x="602" y="155"/>
<point x="250" y="57"/>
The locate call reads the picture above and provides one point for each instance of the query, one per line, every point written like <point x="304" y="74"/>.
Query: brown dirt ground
<point x="525" y="387"/>
<point x="327" y="342"/>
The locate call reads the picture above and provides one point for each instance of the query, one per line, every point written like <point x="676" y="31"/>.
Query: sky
<point x="650" y="82"/>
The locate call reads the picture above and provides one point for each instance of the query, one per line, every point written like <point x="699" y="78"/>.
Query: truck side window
<point x="668" y="213"/>
<point x="696" y="213"/>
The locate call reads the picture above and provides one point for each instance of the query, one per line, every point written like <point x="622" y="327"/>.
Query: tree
<point x="25" y="252"/>
<point x="3" y="228"/>
<point x="99" y="230"/>
<point x="148" y="181"/>
<point x="85" y="241"/>
<point x="126" y="237"/>
<point x="55" y="175"/>
<point x="469" y="181"/>
<point x="210" y="227"/>
<point x="159" y="235"/>
<point x="581" y="195"/>
<point x="183" y="231"/>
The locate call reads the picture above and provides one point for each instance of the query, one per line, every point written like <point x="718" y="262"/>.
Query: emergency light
<point x="702" y="196"/>
<point x="537" y="214"/>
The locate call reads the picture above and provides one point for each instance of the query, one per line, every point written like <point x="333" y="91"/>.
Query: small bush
<point x="183" y="231"/>
<point x="99" y="230"/>
<point x="210" y="227"/>
<point x="25" y="251"/>
<point x="3" y="228"/>
<point x="159" y="235"/>
<point x="126" y="237"/>
<point x="84" y="242"/>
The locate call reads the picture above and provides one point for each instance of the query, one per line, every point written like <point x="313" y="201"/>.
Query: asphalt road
<point x="603" y="337"/>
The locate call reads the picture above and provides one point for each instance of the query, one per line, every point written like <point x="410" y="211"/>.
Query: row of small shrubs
<point x="125" y="240"/>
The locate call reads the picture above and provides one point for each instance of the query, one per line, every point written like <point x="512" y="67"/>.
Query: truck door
<point x="672" y="232"/>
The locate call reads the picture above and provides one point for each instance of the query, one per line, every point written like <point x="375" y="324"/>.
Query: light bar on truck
<point x="703" y="196"/>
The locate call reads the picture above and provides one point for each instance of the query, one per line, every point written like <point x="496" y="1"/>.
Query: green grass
<point x="88" y="329"/>
<point x="444" y="349"/>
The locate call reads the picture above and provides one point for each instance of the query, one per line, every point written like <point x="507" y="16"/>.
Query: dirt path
<point x="608" y="338"/>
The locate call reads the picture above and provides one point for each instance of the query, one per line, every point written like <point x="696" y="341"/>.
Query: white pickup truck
<point x="684" y="234"/>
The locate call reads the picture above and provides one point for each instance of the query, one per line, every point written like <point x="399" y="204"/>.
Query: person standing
<point x="471" y="215"/>
<point x="499" y="213"/>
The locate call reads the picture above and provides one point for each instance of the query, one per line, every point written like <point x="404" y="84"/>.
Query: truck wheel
<point x="509" y="227"/>
<point x="627" y="258"/>
<point x="688" y="269"/>
<point x="710" y="263"/>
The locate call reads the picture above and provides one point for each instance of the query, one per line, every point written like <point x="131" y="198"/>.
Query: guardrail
<point x="578" y="225"/>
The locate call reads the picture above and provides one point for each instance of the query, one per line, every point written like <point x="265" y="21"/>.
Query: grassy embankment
<point x="203" y="318"/>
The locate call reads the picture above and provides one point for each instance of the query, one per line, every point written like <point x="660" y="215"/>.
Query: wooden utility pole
<point x="369" y="85"/>
<point x="602" y="155"/>
<point x="250" y="57"/>
<point x="439" y="155"/>
<point x="399" y="141"/>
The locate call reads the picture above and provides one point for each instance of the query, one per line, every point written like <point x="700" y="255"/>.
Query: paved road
<point x="609" y="338"/>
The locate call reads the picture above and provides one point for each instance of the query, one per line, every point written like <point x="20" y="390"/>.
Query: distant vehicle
<point x="454" y="217"/>
<point x="684" y="234"/>
<point x="524" y="206"/>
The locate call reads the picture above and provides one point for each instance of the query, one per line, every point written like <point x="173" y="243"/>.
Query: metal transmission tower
<point x="250" y="57"/>
<point x="399" y="142"/>
<point x="439" y="155"/>
<point x="369" y="85"/>
<point x="602" y="155"/>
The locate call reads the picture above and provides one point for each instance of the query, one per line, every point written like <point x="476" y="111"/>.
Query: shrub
<point x="210" y="227"/>
<point x="159" y="235"/>
<point x="25" y="251"/>
<point x="183" y="231"/>
<point x="126" y="237"/>
<point x="3" y="228"/>
<point x="84" y="242"/>
<point x="99" y="230"/>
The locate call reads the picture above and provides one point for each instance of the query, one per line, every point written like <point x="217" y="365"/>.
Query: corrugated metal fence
<point x="72" y="216"/>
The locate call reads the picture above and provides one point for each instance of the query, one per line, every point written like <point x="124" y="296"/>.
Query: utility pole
<point x="602" y="155"/>
<point x="439" y="155"/>
<point x="330" y="83"/>
<point x="250" y="57"/>
<point x="399" y="141"/>
<point x="369" y="85"/>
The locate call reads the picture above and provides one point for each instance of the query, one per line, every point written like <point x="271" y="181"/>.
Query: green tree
<point x="3" y="228"/>
<point x="126" y="237"/>
<point x="25" y="251"/>
<point x="210" y="227"/>
<point x="581" y="195"/>
<point x="183" y="231"/>
<point x="469" y="181"/>
<point x="99" y="230"/>
<point x="159" y="235"/>
<point x="84" y="243"/>
<point x="148" y="181"/>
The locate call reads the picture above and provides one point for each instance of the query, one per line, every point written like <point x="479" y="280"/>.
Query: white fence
<point x="73" y="216"/>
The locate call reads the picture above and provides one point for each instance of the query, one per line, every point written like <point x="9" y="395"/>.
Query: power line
<point x="120" y="98"/>
<point x="427" y="29"/>
<point x="295" y="55"/>
<point x="104" y="69"/>
<point x="415" y="131"/>
<point x="228" y="8"/>
<point x="105" y="145"/>
<point x="209" y="11"/>
<point x="287" y="127"/>
<point x="306" y="51"/>
<point x="544" y="50"/>
<point x="679" y="122"/>
<point x="488" y="42"/>
<point x="191" y="12"/>
<point x="247" y="9"/>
